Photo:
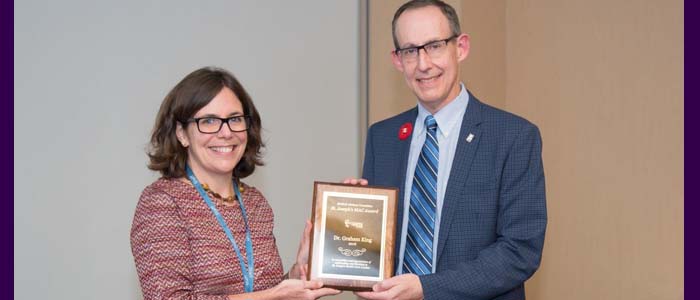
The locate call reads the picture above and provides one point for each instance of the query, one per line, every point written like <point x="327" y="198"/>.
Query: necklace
<point x="226" y="200"/>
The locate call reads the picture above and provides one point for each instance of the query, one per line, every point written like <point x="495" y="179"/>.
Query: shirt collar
<point x="448" y="116"/>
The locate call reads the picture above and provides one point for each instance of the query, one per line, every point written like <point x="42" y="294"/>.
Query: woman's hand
<point x="290" y="289"/>
<point x="301" y="266"/>
<point x="300" y="289"/>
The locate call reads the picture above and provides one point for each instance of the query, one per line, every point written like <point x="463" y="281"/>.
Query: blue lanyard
<point x="248" y="272"/>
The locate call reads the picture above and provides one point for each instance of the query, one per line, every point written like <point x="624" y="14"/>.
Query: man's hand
<point x="355" y="181"/>
<point x="401" y="287"/>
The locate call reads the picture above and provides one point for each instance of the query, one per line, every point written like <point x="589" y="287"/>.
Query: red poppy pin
<point x="405" y="131"/>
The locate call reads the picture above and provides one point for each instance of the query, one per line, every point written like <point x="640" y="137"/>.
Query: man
<point x="471" y="214"/>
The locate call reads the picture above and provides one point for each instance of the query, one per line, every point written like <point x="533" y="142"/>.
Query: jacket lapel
<point x="469" y="138"/>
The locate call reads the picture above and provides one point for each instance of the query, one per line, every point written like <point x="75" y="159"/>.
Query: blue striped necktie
<point x="418" y="254"/>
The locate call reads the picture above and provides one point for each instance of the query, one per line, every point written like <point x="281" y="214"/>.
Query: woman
<point x="198" y="231"/>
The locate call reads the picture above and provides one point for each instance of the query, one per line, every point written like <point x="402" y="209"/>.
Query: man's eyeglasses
<point x="434" y="49"/>
<point x="214" y="124"/>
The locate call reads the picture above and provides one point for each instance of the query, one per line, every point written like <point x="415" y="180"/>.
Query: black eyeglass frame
<point x="422" y="47"/>
<point x="223" y="121"/>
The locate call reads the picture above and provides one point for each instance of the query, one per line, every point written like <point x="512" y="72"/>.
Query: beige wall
<point x="484" y="71"/>
<point x="604" y="82"/>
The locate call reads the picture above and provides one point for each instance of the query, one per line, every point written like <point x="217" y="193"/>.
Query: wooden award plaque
<point x="352" y="241"/>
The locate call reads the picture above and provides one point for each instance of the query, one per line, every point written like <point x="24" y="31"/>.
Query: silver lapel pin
<point x="470" y="137"/>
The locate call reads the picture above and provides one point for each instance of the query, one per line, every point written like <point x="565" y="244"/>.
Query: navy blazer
<point x="494" y="214"/>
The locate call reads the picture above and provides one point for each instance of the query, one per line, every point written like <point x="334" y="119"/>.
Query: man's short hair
<point x="447" y="10"/>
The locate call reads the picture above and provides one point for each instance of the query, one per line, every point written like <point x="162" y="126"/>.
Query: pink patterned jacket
<point x="181" y="252"/>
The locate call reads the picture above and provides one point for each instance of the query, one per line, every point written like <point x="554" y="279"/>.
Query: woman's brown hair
<point x="193" y="92"/>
